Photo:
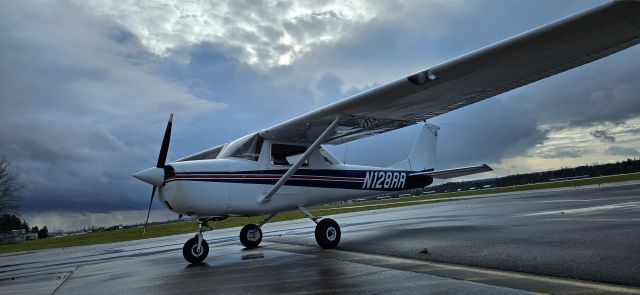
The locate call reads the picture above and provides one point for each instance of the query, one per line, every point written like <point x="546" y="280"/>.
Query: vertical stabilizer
<point x="423" y="154"/>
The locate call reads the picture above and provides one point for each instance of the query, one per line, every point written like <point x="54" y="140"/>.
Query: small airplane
<point x="285" y="167"/>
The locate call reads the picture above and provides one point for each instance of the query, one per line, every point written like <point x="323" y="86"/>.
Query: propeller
<point x="162" y="158"/>
<point x="153" y="193"/>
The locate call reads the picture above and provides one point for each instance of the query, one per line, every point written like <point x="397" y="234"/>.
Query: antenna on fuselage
<point x="346" y="148"/>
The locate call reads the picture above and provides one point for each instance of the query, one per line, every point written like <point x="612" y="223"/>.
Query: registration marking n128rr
<point x="384" y="180"/>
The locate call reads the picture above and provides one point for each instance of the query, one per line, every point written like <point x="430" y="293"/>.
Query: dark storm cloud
<point x="504" y="126"/>
<point x="603" y="135"/>
<point x="83" y="103"/>
<point x="484" y="133"/>
<point x="79" y="109"/>
<point x="623" y="151"/>
<point x="585" y="97"/>
<point x="565" y="153"/>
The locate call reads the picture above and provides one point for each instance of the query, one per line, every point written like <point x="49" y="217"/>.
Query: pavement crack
<point x="67" y="276"/>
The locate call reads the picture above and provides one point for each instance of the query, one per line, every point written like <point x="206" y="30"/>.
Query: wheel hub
<point x="195" y="252"/>
<point x="253" y="235"/>
<point x="331" y="233"/>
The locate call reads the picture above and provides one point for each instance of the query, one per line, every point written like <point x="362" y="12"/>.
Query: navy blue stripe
<point x="305" y="183"/>
<point x="411" y="182"/>
<point x="302" y="171"/>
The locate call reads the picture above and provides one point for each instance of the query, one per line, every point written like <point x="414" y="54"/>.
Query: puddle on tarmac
<point x="228" y="256"/>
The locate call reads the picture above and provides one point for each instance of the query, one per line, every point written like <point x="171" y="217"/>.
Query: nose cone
<point x="154" y="176"/>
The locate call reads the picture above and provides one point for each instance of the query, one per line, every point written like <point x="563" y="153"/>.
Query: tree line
<point x="624" y="167"/>
<point x="10" y="202"/>
<point x="9" y="222"/>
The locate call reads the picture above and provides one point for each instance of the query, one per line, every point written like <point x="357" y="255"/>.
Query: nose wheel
<point x="195" y="250"/>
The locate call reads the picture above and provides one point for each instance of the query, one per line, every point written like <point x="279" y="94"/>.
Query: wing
<point x="501" y="67"/>
<point x="457" y="172"/>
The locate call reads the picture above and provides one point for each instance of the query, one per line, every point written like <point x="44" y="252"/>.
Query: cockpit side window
<point x="247" y="147"/>
<point x="281" y="154"/>
<point x="328" y="157"/>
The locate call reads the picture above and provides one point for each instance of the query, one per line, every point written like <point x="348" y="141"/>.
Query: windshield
<point x="211" y="153"/>
<point x="247" y="147"/>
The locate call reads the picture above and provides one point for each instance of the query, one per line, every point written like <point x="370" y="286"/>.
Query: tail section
<point x="423" y="154"/>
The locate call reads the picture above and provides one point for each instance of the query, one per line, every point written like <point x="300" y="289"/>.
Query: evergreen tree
<point x="43" y="233"/>
<point x="9" y="222"/>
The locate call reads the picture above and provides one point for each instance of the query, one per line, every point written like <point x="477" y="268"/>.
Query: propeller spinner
<point x="156" y="175"/>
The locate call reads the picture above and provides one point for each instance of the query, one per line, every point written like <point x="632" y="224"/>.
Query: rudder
<point x="423" y="153"/>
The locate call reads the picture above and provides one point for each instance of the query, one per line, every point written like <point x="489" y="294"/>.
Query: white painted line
<point x="595" y="219"/>
<point x="359" y="257"/>
<point x="589" y="210"/>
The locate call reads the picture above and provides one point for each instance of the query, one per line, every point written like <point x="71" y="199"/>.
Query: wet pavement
<point x="588" y="233"/>
<point x="509" y="243"/>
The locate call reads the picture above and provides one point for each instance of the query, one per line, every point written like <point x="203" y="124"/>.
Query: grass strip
<point x="183" y="227"/>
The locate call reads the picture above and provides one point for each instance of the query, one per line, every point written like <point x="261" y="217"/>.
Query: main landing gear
<point x="327" y="232"/>
<point x="251" y="234"/>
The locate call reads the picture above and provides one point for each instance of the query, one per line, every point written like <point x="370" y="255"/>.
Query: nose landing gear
<point x="196" y="249"/>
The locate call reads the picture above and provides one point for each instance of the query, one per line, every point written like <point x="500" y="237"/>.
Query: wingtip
<point x="171" y="118"/>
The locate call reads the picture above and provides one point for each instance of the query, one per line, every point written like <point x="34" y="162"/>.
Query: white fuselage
<point x="235" y="186"/>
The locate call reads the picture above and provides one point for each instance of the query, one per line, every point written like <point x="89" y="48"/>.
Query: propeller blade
<point x="164" y="148"/>
<point x="153" y="193"/>
<point x="162" y="158"/>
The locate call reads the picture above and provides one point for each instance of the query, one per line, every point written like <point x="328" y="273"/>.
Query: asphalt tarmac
<point x="575" y="240"/>
<point x="588" y="234"/>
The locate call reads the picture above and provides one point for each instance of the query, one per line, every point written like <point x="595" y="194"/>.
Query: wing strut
<point x="313" y="147"/>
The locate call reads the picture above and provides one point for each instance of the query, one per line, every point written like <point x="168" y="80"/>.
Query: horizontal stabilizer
<point x="457" y="172"/>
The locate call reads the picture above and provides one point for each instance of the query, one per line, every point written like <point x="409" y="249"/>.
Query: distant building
<point x="12" y="237"/>
<point x="32" y="235"/>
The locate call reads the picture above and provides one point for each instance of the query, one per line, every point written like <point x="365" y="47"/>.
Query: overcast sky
<point x="86" y="88"/>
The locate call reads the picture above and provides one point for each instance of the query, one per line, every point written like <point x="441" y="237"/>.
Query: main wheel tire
<point x="250" y="236"/>
<point x="191" y="253"/>
<point x="327" y="233"/>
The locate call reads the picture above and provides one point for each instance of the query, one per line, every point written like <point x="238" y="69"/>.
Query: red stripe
<point x="267" y="176"/>
<point x="263" y="177"/>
